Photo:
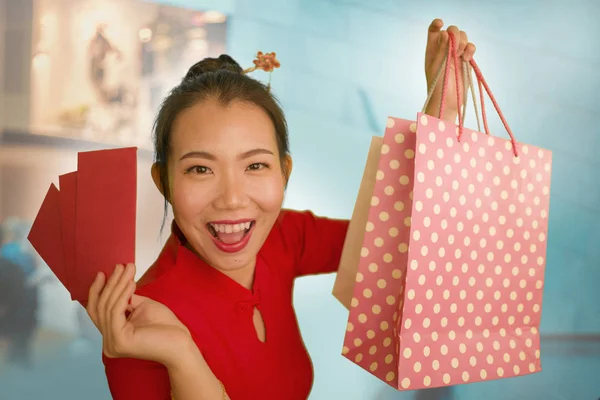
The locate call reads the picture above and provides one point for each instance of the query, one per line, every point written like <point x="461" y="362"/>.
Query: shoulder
<point x="289" y="228"/>
<point x="152" y="281"/>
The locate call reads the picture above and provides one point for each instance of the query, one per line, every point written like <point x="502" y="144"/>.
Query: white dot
<point x="466" y="147"/>
<point x="390" y="123"/>
<point x="424" y="120"/>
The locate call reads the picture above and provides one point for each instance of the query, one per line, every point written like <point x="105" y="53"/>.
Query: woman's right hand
<point x="151" y="331"/>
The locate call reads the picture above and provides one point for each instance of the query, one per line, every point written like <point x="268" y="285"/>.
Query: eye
<point x="198" y="169"/>
<point x="257" y="166"/>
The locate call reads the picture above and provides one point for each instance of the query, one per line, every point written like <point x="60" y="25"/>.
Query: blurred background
<point x="78" y="75"/>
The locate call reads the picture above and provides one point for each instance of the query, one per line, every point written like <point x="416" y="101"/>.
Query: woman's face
<point x="226" y="181"/>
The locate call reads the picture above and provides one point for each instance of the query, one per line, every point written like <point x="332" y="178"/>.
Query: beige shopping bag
<point x="345" y="279"/>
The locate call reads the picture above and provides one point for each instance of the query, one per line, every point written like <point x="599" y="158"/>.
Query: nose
<point x="232" y="193"/>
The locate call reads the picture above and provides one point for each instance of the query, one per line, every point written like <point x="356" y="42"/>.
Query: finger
<point x="455" y="32"/>
<point x="116" y="317"/>
<point x="441" y="52"/>
<point x="124" y="280"/>
<point x="469" y="52"/>
<point x="462" y="43"/>
<point x="434" y="32"/>
<point x="93" y="295"/>
<point x="103" y="300"/>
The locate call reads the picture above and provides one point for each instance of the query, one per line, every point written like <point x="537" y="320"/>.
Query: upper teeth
<point x="229" y="228"/>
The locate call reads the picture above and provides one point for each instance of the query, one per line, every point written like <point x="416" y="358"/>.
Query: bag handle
<point x="480" y="81"/>
<point x="468" y="85"/>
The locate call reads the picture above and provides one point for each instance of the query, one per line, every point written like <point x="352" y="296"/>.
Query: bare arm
<point x="192" y="379"/>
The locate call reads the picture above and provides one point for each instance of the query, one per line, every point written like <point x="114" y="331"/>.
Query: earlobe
<point x="155" y="171"/>
<point x="287" y="168"/>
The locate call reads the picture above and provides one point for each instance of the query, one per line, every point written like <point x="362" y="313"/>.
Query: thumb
<point x="137" y="300"/>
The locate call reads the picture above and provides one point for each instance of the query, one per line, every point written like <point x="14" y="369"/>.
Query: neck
<point x="244" y="276"/>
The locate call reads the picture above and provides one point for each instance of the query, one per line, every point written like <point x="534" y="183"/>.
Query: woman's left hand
<point x="437" y="48"/>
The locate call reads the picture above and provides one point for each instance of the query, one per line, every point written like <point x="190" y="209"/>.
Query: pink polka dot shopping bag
<point x="449" y="279"/>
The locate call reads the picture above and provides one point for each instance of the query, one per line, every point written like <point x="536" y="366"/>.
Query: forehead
<point x="211" y="125"/>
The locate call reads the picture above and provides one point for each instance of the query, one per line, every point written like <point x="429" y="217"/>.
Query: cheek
<point x="187" y="198"/>
<point x="268" y="196"/>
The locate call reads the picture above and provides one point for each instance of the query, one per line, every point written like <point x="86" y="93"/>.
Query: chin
<point x="230" y="256"/>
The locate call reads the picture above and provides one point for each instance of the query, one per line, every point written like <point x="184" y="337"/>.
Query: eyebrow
<point x="208" y="156"/>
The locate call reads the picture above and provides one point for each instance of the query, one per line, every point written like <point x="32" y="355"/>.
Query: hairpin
<point x="266" y="62"/>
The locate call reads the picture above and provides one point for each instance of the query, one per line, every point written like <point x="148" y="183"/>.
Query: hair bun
<point x="223" y="62"/>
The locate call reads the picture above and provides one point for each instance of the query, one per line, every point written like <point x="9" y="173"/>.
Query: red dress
<point x="218" y="312"/>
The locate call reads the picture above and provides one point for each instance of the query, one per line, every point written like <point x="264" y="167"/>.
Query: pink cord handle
<point x="480" y="81"/>
<point x="452" y="57"/>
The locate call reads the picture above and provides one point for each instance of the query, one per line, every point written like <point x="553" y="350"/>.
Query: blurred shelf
<point x="10" y="137"/>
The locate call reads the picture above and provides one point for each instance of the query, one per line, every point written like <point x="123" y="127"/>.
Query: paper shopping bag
<point x="345" y="277"/>
<point x="449" y="283"/>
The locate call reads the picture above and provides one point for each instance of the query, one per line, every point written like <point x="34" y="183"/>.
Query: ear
<point x="286" y="166"/>
<point x="155" y="171"/>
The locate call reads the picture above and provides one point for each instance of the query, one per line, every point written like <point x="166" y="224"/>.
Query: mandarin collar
<point x="211" y="280"/>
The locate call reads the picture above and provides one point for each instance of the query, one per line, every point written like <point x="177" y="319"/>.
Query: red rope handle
<point x="481" y="80"/>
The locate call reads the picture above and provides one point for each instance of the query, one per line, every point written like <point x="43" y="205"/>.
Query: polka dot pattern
<point x="464" y="267"/>
<point x="378" y="291"/>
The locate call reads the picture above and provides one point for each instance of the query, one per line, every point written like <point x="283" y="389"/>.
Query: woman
<point x="213" y="317"/>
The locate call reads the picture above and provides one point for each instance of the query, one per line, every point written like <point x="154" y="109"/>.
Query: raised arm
<point x="315" y="242"/>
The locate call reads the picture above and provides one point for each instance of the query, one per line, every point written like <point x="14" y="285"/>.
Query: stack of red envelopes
<point x="88" y="225"/>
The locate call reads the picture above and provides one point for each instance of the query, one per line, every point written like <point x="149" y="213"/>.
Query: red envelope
<point x="105" y="215"/>
<point x="46" y="236"/>
<point x="68" y="207"/>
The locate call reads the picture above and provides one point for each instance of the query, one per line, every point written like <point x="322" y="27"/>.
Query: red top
<point x="218" y="312"/>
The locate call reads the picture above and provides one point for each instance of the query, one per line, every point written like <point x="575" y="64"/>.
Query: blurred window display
<point x="101" y="68"/>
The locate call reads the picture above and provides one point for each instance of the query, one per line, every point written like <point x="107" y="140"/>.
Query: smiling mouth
<point x="230" y="233"/>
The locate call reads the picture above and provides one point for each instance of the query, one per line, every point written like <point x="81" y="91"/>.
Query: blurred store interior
<point x="78" y="75"/>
